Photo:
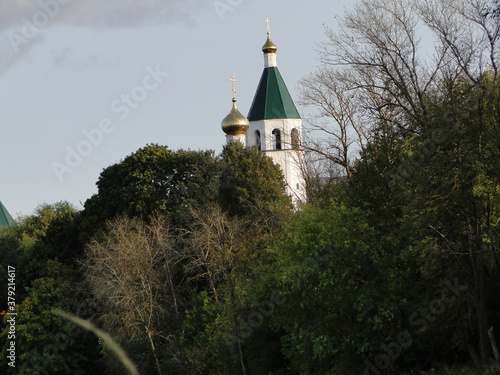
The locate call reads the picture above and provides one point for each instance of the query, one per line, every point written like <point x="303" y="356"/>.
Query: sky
<point x="84" y="83"/>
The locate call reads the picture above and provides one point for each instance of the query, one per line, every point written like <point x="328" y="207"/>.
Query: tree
<point x="376" y="67"/>
<point x="343" y="290"/>
<point x="221" y="253"/>
<point x="379" y="55"/>
<point x="251" y="185"/>
<point x="226" y="241"/>
<point x="43" y="247"/>
<point x="47" y="344"/>
<point x="188" y="189"/>
<point x="456" y="209"/>
<point x="153" y="179"/>
<point x="50" y="233"/>
<point x="9" y="247"/>
<point x="341" y="141"/>
<point x="131" y="272"/>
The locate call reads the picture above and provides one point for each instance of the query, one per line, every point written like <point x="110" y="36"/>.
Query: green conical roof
<point x="272" y="99"/>
<point x="5" y="218"/>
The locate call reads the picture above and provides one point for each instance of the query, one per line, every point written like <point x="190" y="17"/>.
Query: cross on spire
<point x="233" y="81"/>
<point x="268" y="21"/>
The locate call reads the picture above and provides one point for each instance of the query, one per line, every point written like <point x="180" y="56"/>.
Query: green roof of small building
<point x="5" y="218"/>
<point x="272" y="99"/>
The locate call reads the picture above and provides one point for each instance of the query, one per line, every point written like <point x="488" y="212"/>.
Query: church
<point x="273" y="124"/>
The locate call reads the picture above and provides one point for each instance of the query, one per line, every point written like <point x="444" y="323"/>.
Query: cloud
<point x="23" y="22"/>
<point x="102" y="13"/>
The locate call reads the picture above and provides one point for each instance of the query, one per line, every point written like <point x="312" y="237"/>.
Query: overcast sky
<point x="86" y="83"/>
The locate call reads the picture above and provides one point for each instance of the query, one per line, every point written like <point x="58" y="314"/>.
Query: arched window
<point x="257" y="140"/>
<point x="276" y="139"/>
<point x="295" y="139"/>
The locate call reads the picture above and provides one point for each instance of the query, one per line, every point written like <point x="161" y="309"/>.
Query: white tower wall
<point x="285" y="151"/>
<point x="241" y="138"/>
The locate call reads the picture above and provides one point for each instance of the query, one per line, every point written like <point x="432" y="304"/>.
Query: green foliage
<point x="207" y="330"/>
<point x="458" y="370"/>
<point x="336" y="275"/>
<point x="251" y="184"/>
<point x="45" y="344"/>
<point x="50" y="233"/>
<point x="48" y="222"/>
<point x="9" y="245"/>
<point x="153" y="179"/>
<point x="43" y="248"/>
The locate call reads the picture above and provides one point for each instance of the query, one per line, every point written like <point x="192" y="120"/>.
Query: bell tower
<point x="275" y="124"/>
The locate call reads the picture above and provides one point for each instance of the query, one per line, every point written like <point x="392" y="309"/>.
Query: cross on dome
<point x="233" y="81"/>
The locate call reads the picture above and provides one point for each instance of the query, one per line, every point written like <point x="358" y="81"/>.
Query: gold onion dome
<point x="235" y="123"/>
<point x="269" y="47"/>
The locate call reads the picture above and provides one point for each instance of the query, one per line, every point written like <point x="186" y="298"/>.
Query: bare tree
<point x="218" y="244"/>
<point x="468" y="33"/>
<point x="338" y="119"/>
<point x="371" y="72"/>
<point x="131" y="273"/>
<point x="388" y="55"/>
<point x="318" y="171"/>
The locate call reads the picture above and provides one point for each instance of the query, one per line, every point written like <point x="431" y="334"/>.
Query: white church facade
<point x="273" y="124"/>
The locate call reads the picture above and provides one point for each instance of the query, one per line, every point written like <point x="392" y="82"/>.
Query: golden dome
<point x="269" y="47"/>
<point x="235" y="123"/>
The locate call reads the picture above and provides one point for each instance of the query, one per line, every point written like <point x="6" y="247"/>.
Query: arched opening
<point x="295" y="139"/>
<point x="276" y="139"/>
<point x="257" y="140"/>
